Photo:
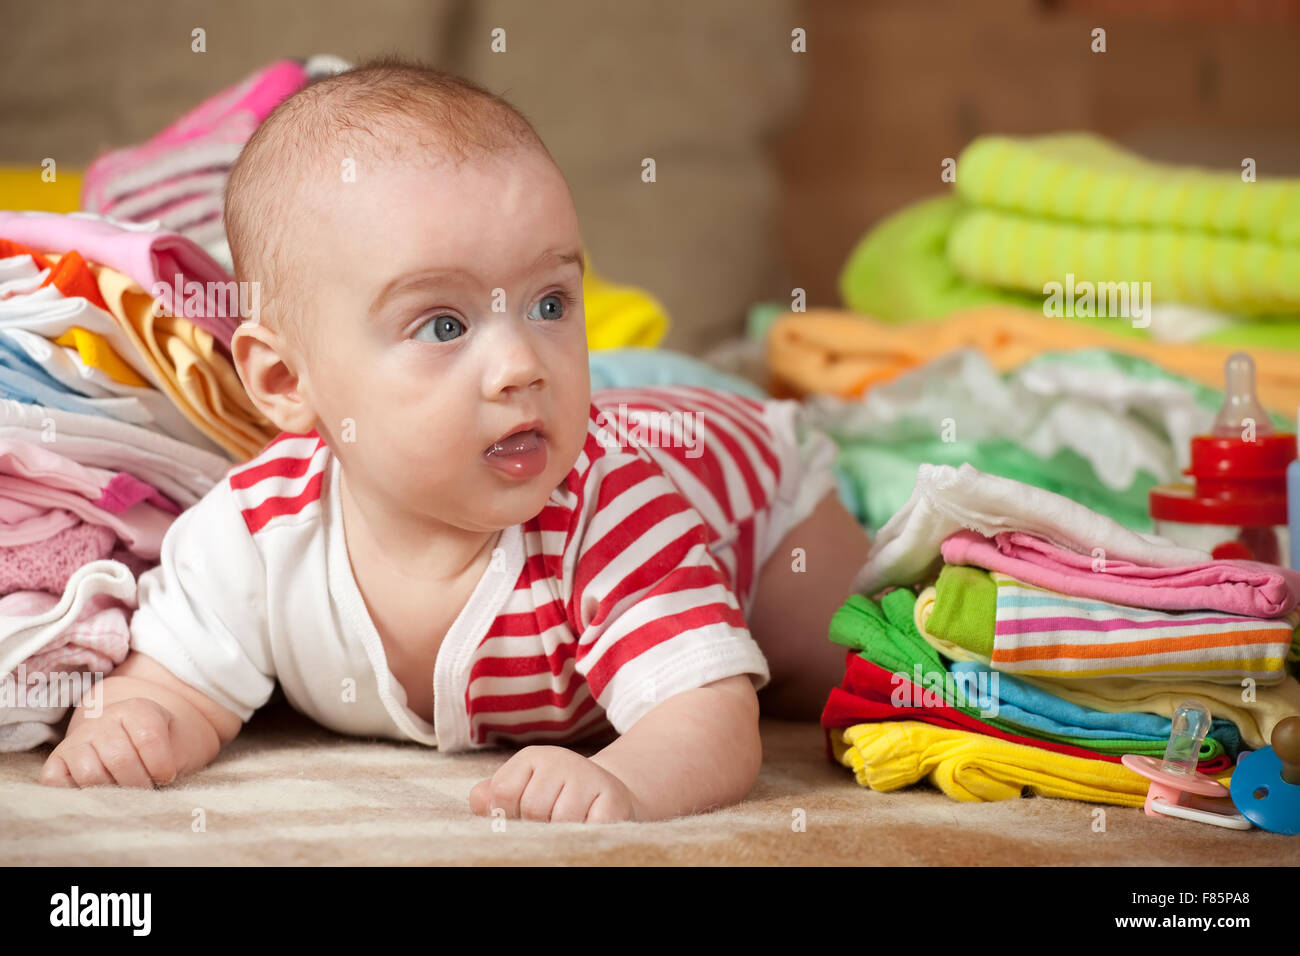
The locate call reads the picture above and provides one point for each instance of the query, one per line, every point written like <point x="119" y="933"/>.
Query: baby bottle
<point x="1237" y="505"/>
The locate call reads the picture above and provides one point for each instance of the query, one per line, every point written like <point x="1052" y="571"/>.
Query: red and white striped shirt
<point x="631" y="585"/>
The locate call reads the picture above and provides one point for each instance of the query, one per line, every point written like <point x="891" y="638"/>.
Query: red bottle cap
<point x="1236" y="483"/>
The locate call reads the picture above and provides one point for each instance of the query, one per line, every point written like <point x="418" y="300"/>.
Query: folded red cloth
<point x="865" y="696"/>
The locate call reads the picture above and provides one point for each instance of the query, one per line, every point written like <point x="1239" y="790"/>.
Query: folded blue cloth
<point x="22" y="379"/>
<point x="1035" y="709"/>
<point x="14" y="357"/>
<point x="21" y="384"/>
<point x="633" y="366"/>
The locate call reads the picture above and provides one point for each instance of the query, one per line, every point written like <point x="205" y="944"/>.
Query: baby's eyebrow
<point x="576" y="256"/>
<point x="425" y="278"/>
<point x="432" y="277"/>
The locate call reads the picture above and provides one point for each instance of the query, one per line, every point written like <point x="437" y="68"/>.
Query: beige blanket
<point x="290" y="792"/>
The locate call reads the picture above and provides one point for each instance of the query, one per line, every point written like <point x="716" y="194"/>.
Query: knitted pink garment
<point x="46" y="565"/>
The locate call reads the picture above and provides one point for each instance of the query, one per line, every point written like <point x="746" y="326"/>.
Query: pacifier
<point x="1177" y="788"/>
<point x="1266" y="783"/>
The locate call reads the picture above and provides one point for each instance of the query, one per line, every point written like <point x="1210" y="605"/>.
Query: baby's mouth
<point x="516" y="443"/>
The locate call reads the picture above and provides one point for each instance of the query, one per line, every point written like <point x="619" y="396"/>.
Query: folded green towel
<point x="1018" y="252"/>
<point x="1042" y="208"/>
<point x="900" y="271"/>
<point x="1082" y="178"/>
<point x="965" y="608"/>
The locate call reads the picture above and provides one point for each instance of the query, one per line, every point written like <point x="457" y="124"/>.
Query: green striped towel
<point x="1037" y="209"/>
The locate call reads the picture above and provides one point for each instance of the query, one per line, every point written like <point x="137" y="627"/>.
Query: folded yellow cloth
<point x="974" y="767"/>
<point x="1255" y="720"/>
<point x="97" y="352"/>
<point x="620" y="316"/>
<point x="200" y="381"/>
<point x="842" y="353"/>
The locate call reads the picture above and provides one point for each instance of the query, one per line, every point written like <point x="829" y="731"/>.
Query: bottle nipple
<point x="1190" y="725"/>
<point x="1239" y="400"/>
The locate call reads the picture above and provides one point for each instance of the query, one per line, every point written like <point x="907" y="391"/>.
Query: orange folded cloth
<point x="842" y="353"/>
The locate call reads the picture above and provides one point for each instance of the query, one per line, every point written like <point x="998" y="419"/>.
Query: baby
<point x="453" y="541"/>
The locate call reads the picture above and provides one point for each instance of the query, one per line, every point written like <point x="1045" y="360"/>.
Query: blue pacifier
<point x="1266" y="783"/>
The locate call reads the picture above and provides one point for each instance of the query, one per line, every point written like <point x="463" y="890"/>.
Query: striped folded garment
<point x="1049" y="634"/>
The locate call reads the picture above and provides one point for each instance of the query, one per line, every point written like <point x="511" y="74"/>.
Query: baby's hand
<point x="129" y="744"/>
<point x="556" y="785"/>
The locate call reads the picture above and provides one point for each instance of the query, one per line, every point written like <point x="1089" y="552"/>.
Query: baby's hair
<point x="382" y="108"/>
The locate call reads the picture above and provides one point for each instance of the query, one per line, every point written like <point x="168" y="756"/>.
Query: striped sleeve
<point x="652" y="612"/>
<point x="202" y="609"/>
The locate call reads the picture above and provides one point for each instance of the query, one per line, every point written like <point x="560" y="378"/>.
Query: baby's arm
<point x="662" y="645"/>
<point x="141" y="726"/>
<point x="200" y="662"/>
<point x="696" y="751"/>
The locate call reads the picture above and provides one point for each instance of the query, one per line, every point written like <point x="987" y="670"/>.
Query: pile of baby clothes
<point x="1042" y="208"/>
<point x="119" y="410"/>
<point x="1221" y="251"/>
<point x="1087" y="220"/>
<point x="1099" y="427"/>
<point x="1047" y="641"/>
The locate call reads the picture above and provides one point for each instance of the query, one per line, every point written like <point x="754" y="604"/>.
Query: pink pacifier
<point x="1177" y="788"/>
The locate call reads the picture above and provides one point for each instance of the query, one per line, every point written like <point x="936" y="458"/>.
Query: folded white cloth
<point x="48" y="312"/>
<point x="947" y="499"/>
<point x="180" y="471"/>
<point x="21" y="637"/>
<point x="22" y="728"/>
<point x="65" y="365"/>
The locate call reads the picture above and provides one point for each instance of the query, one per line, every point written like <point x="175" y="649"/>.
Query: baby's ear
<point x="267" y="371"/>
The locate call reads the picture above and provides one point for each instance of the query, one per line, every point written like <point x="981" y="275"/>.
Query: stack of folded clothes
<point x="1222" y="253"/>
<point x="118" y="413"/>
<point x="1046" y="641"/>
<point x="1043" y="208"/>
<point x="1098" y="427"/>
<point x="1088" y="220"/>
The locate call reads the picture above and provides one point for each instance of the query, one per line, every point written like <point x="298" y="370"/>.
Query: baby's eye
<point x="552" y="306"/>
<point x="442" y="328"/>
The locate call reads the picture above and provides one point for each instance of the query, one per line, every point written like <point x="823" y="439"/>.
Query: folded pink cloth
<point x="22" y="523"/>
<point x="36" y="484"/>
<point x="208" y="136"/>
<point x="47" y="565"/>
<point x="113" y="491"/>
<point x="147" y="203"/>
<point x="153" y="257"/>
<point x="1250" y="588"/>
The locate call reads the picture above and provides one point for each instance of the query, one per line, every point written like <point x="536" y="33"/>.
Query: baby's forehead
<point x="386" y="214"/>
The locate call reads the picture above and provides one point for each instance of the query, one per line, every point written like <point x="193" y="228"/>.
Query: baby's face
<point x="449" y="308"/>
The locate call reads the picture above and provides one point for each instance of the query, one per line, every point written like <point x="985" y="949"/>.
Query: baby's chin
<point x="509" y="501"/>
